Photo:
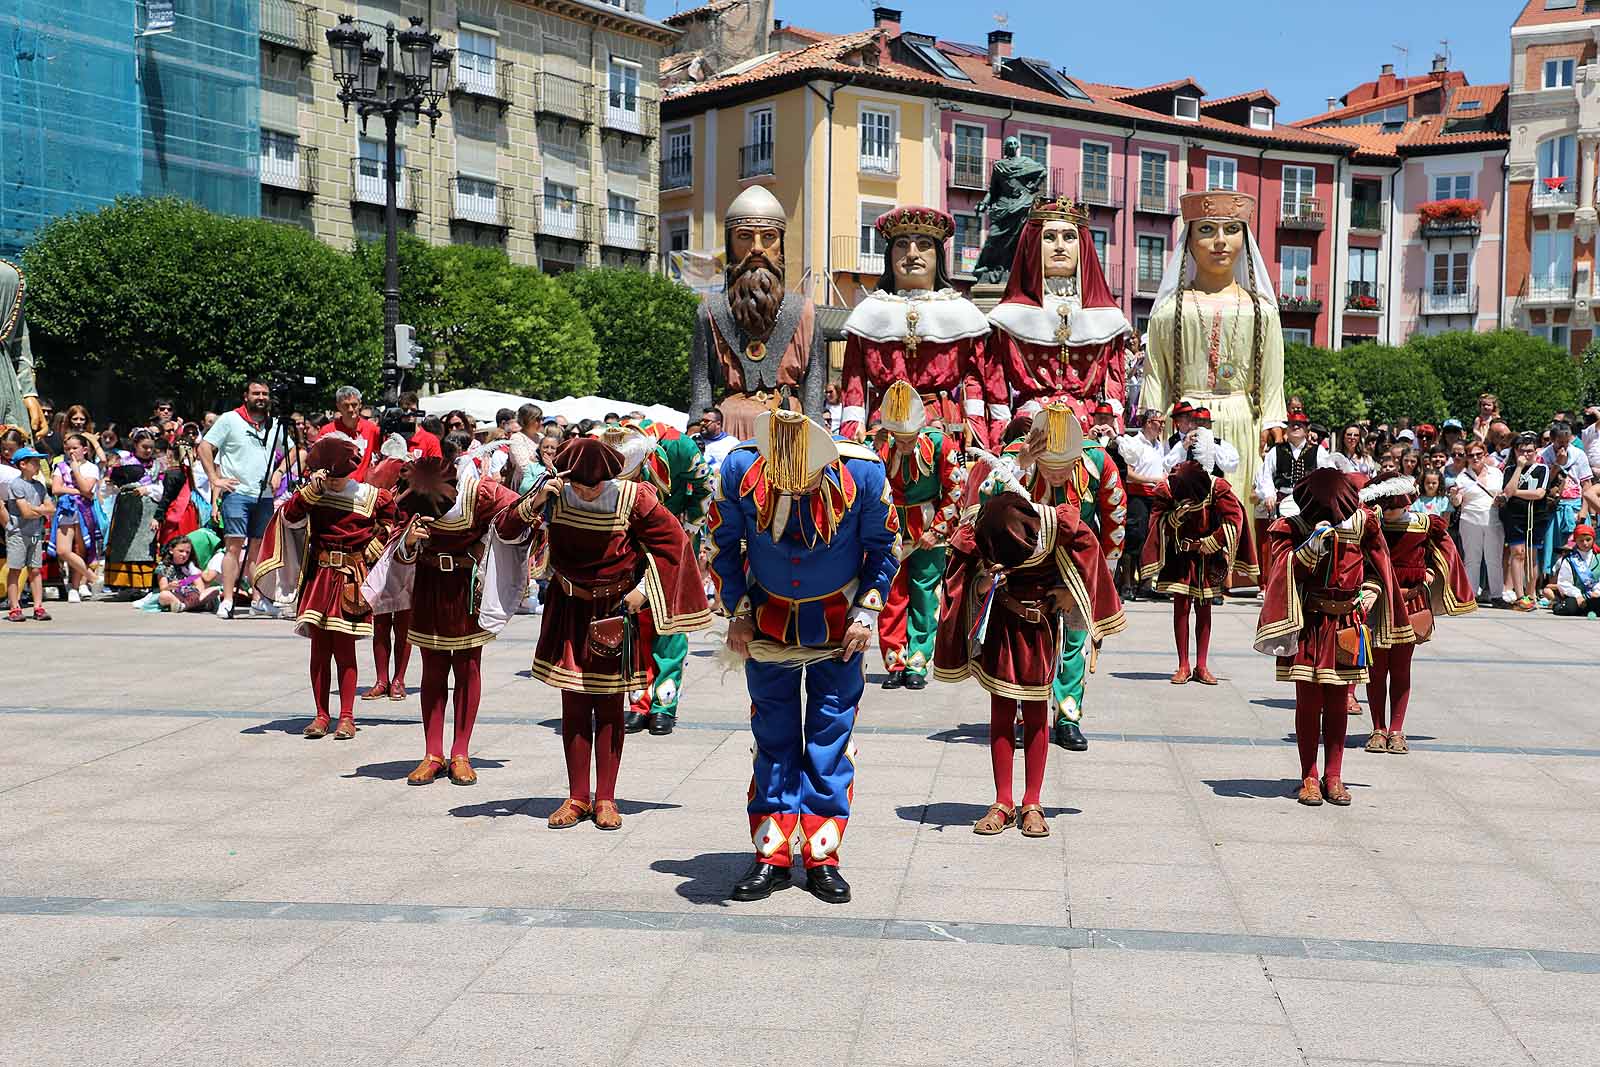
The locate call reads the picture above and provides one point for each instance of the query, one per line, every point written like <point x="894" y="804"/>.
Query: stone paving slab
<point x="184" y="880"/>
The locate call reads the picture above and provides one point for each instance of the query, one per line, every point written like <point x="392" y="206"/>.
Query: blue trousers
<point x="804" y="760"/>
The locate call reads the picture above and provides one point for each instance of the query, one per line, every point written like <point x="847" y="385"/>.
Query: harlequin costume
<point x="599" y="551"/>
<point x="1330" y="595"/>
<point x="677" y="470"/>
<point x="461" y="583"/>
<point x="1081" y="475"/>
<point x="933" y="338"/>
<point x="322" y="540"/>
<point x="1060" y="339"/>
<point x="1433" y="582"/>
<point x="1020" y="574"/>
<point x="1196" y="539"/>
<point x="803" y="533"/>
<point x="924" y="470"/>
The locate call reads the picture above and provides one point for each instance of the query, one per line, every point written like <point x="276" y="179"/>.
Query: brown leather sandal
<point x="1397" y="743"/>
<point x="461" y="772"/>
<point x="318" y="728"/>
<point x="346" y="730"/>
<point x="570" y="813"/>
<point x="1378" y="742"/>
<point x="606" y="815"/>
<point x="379" y="691"/>
<point x="1204" y="677"/>
<point x="996" y="820"/>
<point x="1333" y="789"/>
<point x="1180" y="676"/>
<point x="1032" y="821"/>
<point x="1310" y="792"/>
<point x="426" y="771"/>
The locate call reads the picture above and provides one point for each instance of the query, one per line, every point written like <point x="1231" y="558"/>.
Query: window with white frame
<point x="1222" y="173"/>
<point x="758" y="125"/>
<point x="280" y="158"/>
<point x="1152" y="261"/>
<point x="1450" y="279"/>
<point x="475" y="66"/>
<point x="1558" y="73"/>
<point x="1261" y="118"/>
<point x="878" y="141"/>
<point x="560" y="217"/>
<point x="1296" y="336"/>
<point x="1096" y="175"/>
<point x="967" y="244"/>
<point x="677" y="162"/>
<point x="1452" y="187"/>
<point x="869" y="259"/>
<point x="1364" y="273"/>
<point x="624" y="90"/>
<point x="1557" y="333"/>
<point x="369" y="174"/>
<point x="475" y="198"/>
<point x="1557" y="156"/>
<point x="1036" y="147"/>
<point x="1294" y="272"/>
<point x="1551" y="272"/>
<point x="1299" y="188"/>
<point x="1153" y="181"/>
<point x="1186" y="107"/>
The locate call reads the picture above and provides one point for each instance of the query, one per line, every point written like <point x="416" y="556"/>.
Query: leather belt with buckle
<point x="605" y="594"/>
<point x="331" y="558"/>
<point x="1031" y="611"/>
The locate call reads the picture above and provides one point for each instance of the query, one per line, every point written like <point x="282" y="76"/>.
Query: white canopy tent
<point x="482" y="404"/>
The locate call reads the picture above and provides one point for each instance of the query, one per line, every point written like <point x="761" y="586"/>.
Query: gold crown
<point x="915" y="221"/>
<point x="1058" y="209"/>
<point x="1217" y="205"/>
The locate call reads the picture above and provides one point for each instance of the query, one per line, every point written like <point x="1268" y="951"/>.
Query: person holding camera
<point x="236" y="454"/>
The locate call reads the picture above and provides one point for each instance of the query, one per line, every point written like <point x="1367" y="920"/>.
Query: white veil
<point x="1180" y="270"/>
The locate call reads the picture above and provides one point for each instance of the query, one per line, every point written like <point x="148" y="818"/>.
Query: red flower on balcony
<point x="1556" y="185"/>
<point x="1362" y="302"/>
<point x="1455" y="209"/>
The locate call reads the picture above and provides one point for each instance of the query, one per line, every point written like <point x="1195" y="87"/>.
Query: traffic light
<point x="407" y="353"/>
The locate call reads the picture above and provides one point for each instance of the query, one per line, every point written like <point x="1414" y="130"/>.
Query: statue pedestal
<point x="987" y="295"/>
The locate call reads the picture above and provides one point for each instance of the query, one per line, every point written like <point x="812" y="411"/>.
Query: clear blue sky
<point x="1304" y="52"/>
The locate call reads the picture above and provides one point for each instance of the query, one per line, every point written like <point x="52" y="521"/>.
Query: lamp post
<point x="373" y="80"/>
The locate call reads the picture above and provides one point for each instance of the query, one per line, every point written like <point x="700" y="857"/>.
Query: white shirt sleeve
<point x="1264" y="476"/>
<point x="1175" y="455"/>
<point x="1324" y="458"/>
<point x="1566" y="580"/>
<point x="1227" y="457"/>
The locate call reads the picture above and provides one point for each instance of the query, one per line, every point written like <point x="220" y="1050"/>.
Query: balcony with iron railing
<point x="480" y="203"/>
<point x="968" y="171"/>
<point x="1113" y="272"/>
<point x="1363" y="298"/>
<point x="1301" y="298"/>
<point x="295" y="172"/>
<point x="1148" y="282"/>
<point x="367" y="185"/>
<point x="629" y="229"/>
<point x="1548" y="287"/>
<point x="882" y="160"/>
<point x="1450" y="218"/>
<point x="1157" y="199"/>
<point x="1448" y="298"/>
<point x="851" y="258"/>
<point x="631" y="115"/>
<point x="564" y="99"/>
<point x="1100" y="190"/>
<point x="755" y="160"/>
<point x="481" y="77"/>
<point x="677" y="171"/>
<point x="1302" y="213"/>
<point x="1555" y="194"/>
<point x="564" y="219"/>
<point x="1369" y="216"/>
<point x="290" y="26"/>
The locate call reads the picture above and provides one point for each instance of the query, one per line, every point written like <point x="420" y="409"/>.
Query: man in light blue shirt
<point x="235" y="453"/>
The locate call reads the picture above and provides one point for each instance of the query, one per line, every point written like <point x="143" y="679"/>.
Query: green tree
<point x="1327" y="383"/>
<point x="161" y="296"/>
<point x="1395" y="382"/>
<point x="644" y="324"/>
<point x="508" y="327"/>
<point x="1589" y="375"/>
<point x="421" y="281"/>
<point x="1532" y="377"/>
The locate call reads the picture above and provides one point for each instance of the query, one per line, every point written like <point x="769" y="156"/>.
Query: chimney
<point x="886" y="19"/>
<point x="1333" y="103"/>
<point x="1388" y="68"/>
<point x="1441" y="64"/>
<point x="1387" y="82"/>
<point x="999" y="49"/>
<point x="777" y="25"/>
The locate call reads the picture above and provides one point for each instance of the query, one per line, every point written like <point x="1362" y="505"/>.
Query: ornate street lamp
<point x="407" y="76"/>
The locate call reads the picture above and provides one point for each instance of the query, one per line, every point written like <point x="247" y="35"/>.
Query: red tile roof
<point x="1252" y="96"/>
<point x="1164" y="87"/>
<point x="1372" y="141"/>
<point x="715" y="7"/>
<point x="1536" y="14"/>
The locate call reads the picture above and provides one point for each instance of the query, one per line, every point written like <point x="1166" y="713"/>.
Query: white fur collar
<point x="1037" y="325"/>
<point x="943" y="315"/>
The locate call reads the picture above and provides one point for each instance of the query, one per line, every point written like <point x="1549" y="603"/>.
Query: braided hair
<point x="1257" y="327"/>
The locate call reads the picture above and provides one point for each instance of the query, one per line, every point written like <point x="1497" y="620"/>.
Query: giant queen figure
<point x="755" y="345"/>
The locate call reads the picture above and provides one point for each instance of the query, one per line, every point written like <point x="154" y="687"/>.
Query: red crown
<point x="920" y="221"/>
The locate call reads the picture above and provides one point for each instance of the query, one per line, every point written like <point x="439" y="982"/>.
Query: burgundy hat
<point x="589" y="460"/>
<point x="1327" y="494"/>
<point x="1189" y="482"/>
<point x="1016" y="429"/>
<point x="334" y="453"/>
<point x="429" y="487"/>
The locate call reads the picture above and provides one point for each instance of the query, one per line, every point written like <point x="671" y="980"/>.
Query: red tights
<point x="1035" y="748"/>
<point x="1321" y="711"/>
<point x="1202" y="630"/>
<point x="590" y="722"/>
<point x="399" y="625"/>
<point x="436" y="668"/>
<point x="329" y="648"/>
<point x="1391" y="682"/>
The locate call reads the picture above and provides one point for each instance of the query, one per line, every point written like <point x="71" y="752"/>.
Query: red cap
<point x="1427" y="428"/>
<point x="1104" y="408"/>
<point x="1299" y="418"/>
<point x="1182" y="407"/>
<point x="1202" y="413"/>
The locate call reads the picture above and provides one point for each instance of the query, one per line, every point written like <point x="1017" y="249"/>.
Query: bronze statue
<point x="1014" y="182"/>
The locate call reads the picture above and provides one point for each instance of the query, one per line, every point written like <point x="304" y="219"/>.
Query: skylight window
<point x="1469" y="105"/>
<point x="1056" y="80"/>
<point x="937" y="60"/>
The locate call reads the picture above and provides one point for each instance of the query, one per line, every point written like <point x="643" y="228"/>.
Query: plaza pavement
<point x="185" y="880"/>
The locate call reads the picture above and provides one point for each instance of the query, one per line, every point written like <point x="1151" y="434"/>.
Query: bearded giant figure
<point x="756" y="345"/>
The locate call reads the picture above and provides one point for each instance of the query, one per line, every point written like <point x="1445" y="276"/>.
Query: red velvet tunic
<point x="1038" y="373"/>
<point x="444" y="614"/>
<point x="1304" y="637"/>
<point x="1193" y="546"/>
<point x="1019" y="658"/>
<point x="347" y="529"/>
<point x="624" y="539"/>
<point x="1419" y="544"/>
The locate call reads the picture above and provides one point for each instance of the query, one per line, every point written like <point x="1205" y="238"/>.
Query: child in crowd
<point x="183" y="585"/>
<point x="1575" y="583"/>
<point x="28" y="507"/>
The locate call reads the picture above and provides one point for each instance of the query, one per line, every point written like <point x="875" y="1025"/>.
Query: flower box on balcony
<point x="1455" y="217"/>
<point x="1299" y="303"/>
<point x="1362" y="302"/>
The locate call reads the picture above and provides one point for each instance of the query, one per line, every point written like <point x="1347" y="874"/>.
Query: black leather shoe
<point x="896" y="680"/>
<point x="661" y="723"/>
<point x="760" y="881"/>
<point x="633" y="722"/>
<point x="828" y="885"/>
<point x="1072" y="738"/>
<point x="916" y="681"/>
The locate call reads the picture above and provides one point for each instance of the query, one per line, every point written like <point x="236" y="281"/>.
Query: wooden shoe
<point x="606" y="815"/>
<point x="426" y="771"/>
<point x="318" y="728"/>
<point x="1378" y="742"/>
<point x="1335" y="792"/>
<point x="461" y="772"/>
<point x="1397" y="743"/>
<point x="1310" y="792"/>
<point x="997" y="819"/>
<point x="570" y="813"/>
<point x="1032" y="821"/>
<point x="346" y="730"/>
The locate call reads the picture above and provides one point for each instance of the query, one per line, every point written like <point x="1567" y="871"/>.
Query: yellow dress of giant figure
<point x="1215" y="339"/>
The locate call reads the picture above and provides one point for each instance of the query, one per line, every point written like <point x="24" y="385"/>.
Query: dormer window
<point x="1261" y="118"/>
<point x="1186" y="107"/>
